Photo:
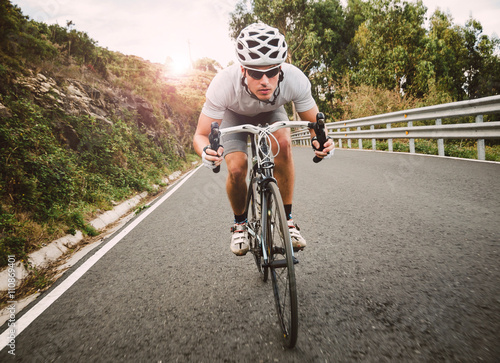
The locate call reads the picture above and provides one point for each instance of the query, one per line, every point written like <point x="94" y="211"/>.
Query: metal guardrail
<point x="479" y="130"/>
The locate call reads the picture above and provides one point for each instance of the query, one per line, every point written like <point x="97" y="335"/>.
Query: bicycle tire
<point x="281" y="263"/>
<point x="254" y="223"/>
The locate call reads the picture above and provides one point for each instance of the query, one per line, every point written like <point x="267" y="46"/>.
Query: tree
<point x="447" y="54"/>
<point x="481" y="69"/>
<point x="391" y="47"/>
<point x="464" y="61"/>
<point x="330" y="35"/>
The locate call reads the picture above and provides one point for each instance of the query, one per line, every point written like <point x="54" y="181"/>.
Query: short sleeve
<point x="221" y="93"/>
<point x="302" y="97"/>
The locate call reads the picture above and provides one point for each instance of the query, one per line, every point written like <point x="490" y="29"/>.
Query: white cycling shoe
<point x="298" y="242"/>
<point x="239" y="239"/>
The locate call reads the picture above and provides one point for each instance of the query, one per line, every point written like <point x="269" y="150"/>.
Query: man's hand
<point x="211" y="158"/>
<point x="327" y="152"/>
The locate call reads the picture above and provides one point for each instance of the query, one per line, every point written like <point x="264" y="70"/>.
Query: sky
<point x="186" y="30"/>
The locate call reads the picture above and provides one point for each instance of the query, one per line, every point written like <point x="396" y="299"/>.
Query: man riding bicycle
<point x="255" y="92"/>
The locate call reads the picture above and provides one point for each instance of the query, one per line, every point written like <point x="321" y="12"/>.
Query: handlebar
<point x="318" y="127"/>
<point x="267" y="128"/>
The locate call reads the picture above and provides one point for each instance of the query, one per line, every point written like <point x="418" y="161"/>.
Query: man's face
<point x="264" y="87"/>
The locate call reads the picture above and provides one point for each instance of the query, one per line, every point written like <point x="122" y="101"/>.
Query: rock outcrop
<point x="4" y="111"/>
<point x="77" y="98"/>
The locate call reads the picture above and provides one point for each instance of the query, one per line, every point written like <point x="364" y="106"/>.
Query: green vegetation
<point x="81" y="128"/>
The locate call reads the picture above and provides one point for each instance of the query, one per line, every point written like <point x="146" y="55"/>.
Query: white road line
<point x="44" y="303"/>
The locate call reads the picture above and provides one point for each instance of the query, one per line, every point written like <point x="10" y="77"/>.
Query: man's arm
<point x="310" y="115"/>
<point x="200" y="139"/>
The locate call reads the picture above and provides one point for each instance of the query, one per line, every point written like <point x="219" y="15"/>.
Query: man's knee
<point x="237" y="166"/>
<point x="285" y="146"/>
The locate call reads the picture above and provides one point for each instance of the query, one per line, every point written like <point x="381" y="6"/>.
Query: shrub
<point x="10" y="242"/>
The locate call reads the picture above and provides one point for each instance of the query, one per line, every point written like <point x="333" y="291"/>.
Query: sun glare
<point x="177" y="66"/>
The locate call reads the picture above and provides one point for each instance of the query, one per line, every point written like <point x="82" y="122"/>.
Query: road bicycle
<point x="268" y="230"/>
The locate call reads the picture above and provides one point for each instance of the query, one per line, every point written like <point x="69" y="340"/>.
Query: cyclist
<point x="254" y="92"/>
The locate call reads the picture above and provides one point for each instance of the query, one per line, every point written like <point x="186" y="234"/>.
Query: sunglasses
<point x="270" y="73"/>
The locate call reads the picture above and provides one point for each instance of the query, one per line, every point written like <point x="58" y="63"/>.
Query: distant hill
<point x="81" y="128"/>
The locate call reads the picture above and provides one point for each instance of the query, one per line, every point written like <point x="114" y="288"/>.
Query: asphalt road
<point x="402" y="264"/>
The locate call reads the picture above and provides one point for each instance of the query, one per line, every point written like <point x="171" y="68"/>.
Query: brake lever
<point x="319" y="129"/>
<point x="214" y="139"/>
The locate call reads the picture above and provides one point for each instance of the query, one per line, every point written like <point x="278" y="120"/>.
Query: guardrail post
<point x="389" y="141"/>
<point x="360" y="141"/>
<point x="440" y="141"/>
<point x="340" y="140"/>
<point x="349" y="142"/>
<point x="412" y="141"/>
<point x="374" y="141"/>
<point x="481" y="149"/>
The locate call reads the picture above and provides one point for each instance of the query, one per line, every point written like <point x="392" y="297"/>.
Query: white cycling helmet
<point x="261" y="45"/>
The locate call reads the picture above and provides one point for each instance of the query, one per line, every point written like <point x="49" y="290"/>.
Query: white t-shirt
<point x="226" y="93"/>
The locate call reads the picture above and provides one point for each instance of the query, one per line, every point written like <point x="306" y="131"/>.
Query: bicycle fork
<point x="265" y="240"/>
<point x="264" y="216"/>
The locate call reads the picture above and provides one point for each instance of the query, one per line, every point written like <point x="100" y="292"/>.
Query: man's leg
<point x="236" y="185"/>
<point x="284" y="170"/>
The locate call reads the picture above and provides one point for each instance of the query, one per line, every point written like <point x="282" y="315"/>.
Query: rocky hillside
<point x="81" y="128"/>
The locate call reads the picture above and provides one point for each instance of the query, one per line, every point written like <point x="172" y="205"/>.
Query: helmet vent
<point x="252" y="43"/>
<point x="274" y="55"/>
<point x="264" y="50"/>
<point x="263" y="37"/>
<point x="274" y="42"/>
<point x="254" y="56"/>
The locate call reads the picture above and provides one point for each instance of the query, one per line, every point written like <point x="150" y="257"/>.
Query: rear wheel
<point x="281" y="264"/>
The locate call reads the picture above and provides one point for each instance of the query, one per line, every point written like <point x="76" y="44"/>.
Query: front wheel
<point x="281" y="263"/>
<point x="254" y="225"/>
